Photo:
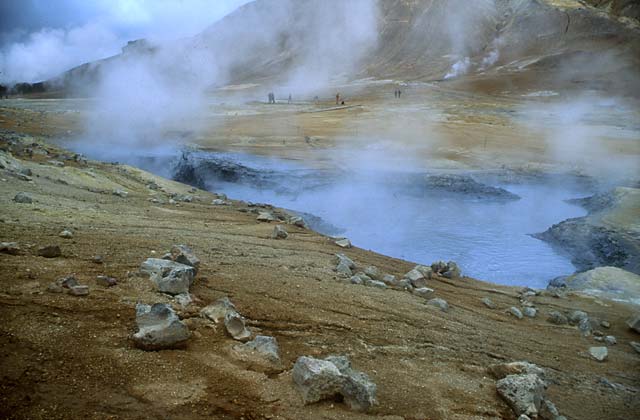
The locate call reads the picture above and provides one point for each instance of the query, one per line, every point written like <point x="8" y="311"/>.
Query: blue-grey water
<point x="490" y="240"/>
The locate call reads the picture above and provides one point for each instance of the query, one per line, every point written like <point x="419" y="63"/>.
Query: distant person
<point x="289" y="101"/>
<point x="399" y="93"/>
<point x="395" y="93"/>
<point x="337" y="98"/>
<point x="316" y="99"/>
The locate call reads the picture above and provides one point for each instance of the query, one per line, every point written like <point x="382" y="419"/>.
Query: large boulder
<point x="159" y="328"/>
<point x="218" y="310"/>
<point x="606" y="282"/>
<point x="523" y="393"/>
<point x="184" y="255"/>
<point x="319" y="379"/>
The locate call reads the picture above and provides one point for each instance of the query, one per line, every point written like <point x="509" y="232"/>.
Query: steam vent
<point x="320" y="209"/>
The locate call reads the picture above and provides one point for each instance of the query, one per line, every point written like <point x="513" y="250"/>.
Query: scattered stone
<point x="502" y="370"/>
<point x="404" y="284"/>
<point x="266" y="216"/>
<point x="359" y="279"/>
<point x="439" y="303"/>
<point x="266" y="347"/>
<point x="557" y="318"/>
<point x="634" y="322"/>
<point x="159" y="328"/>
<point x="316" y="379"/>
<point x="548" y="410"/>
<point x="218" y="310"/>
<point x="488" y="303"/>
<point x="319" y="379"/>
<point x="605" y="324"/>
<point x="66" y="234"/>
<point x="423" y="292"/>
<point x="515" y="312"/>
<point x="389" y="279"/>
<point x="343" y="243"/>
<point x="346" y="260"/>
<point x="120" y="193"/>
<point x="635" y="345"/>
<point x="183" y="299"/>
<point x="585" y="326"/>
<point x="51" y="251"/>
<point x="279" y="232"/>
<point x="297" y="221"/>
<point x="106" y="281"/>
<point x="343" y="269"/>
<point x="219" y="202"/>
<point x="234" y="323"/>
<point x="523" y="393"/>
<point x="610" y="340"/>
<point x="97" y="259"/>
<point x="372" y="271"/>
<point x="426" y="271"/>
<point x="57" y="163"/>
<point x="599" y="353"/>
<point x="416" y="278"/>
<point x="453" y="271"/>
<point x="376" y="283"/>
<point x="169" y="276"/>
<point x="184" y="255"/>
<point x="172" y="201"/>
<point x="23" y="198"/>
<point x="576" y="316"/>
<point x="530" y="312"/>
<point x="80" y="290"/>
<point x="11" y="248"/>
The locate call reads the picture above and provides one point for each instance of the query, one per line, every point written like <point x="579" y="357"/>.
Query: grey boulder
<point x="523" y="393"/>
<point x="159" y="328"/>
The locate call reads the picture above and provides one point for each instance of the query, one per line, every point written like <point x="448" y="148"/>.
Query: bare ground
<point x="71" y="357"/>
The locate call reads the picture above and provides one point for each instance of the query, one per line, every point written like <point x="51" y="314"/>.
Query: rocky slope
<point x="70" y="355"/>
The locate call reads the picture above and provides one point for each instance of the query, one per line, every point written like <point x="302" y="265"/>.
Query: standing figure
<point x="337" y="98"/>
<point x="289" y="98"/>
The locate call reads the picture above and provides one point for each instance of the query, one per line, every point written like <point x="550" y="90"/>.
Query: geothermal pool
<point x="382" y="211"/>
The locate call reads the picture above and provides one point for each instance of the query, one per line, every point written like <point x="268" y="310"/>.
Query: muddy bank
<point x="608" y="236"/>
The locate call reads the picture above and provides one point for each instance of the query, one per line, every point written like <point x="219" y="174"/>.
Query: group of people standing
<point x="272" y="98"/>
<point x="397" y="93"/>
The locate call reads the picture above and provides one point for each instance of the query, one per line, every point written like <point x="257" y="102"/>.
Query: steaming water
<point x="489" y="239"/>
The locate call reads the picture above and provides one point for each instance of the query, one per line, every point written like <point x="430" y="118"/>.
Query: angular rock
<point x="279" y="232"/>
<point x="359" y="279"/>
<point x="106" y="281"/>
<point x="51" y="251"/>
<point x="515" y="312"/>
<point x="610" y="340"/>
<point x="11" y="248"/>
<point x="635" y="345"/>
<point x="343" y="269"/>
<point x="439" y="267"/>
<point x="266" y="216"/>
<point x="376" y="283"/>
<point x="423" y="292"/>
<point x="453" y="271"/>
<point x="585" y="326"/>
<point x="234" y="323"/>
<point x="316" y="379"/>
<point x="218" y="310"/>
<point x="425" y="270"/>
<point x="120" y="193"/>
<point x="184" y="255"/>
<point x="389" y="279"/>
<point x="557" y="318"/>
<point x="346" y="260"/>
<point x="523" y="393"/>
<point x="343" y="243"/>
<point x="319" y="379"/>
<point x="634" y="322"/>
<point x="298" y="221"/>
<point x="177" y="281"/>
<point x="416" y="278"/>
<point x="265" y="346"/>
<point x="80" y="290"/>
<point x="488" y="303"/>
<point x="576" y="316"/>
<point x="159" y="328"/>
<point x="529" y="312"/>
<point x="372" y="272"/>
<point x="599" y="353"/>
<point x="23" y="198"/>
<point x="404" y="284"/>
<point x="183" y="299"/>
<point x="66" y="234"/>
<point x="502" y="370"/>
<point x="97" y="259"/>
<point x="548" y="410"/>
<point x="439" y="303"/>
<point x="219" y="202"/>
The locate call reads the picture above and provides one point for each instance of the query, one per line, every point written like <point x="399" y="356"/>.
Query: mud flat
<point x="72" y="356"/>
